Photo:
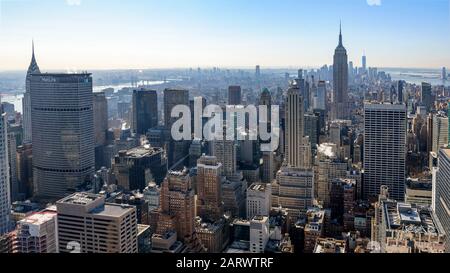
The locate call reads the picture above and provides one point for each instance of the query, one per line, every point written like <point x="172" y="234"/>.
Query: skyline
<point x="210" y="34"/>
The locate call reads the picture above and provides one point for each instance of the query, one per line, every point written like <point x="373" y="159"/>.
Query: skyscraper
<point x="225" y="152"/>
<point x="293" y="190"/>
<point x="26" y="101"/>
<point x="400" y="88"/>
<point x="177" y="212"/>
<point x="145" y="110"/>
<point x="426" y="96"/>
<point x="63" y="132"/>
<point x="136" y="168"/>
<point x="172" y="98"/>
<point x="384" y="149"/>
<point x="100" y="118"/>
<point x="340" y="81"/>
<point x="209" y="188"/>
<point x="86" y="224"/>
<point x="321" y="96"/>
<point x="294" y="126"/>
<point x="442" y="200"/>
<point x="268" y="171"/>
<point x="176" y="150"/>
<point x="444" y="74"/>
<point x="100" y="129"/>
<point x="440" y="132"/>
<point x="234" y="95"/>
<point x="5" y="197"/>
<point x="364" y="62"/>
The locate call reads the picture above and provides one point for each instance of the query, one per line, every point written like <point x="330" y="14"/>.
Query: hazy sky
<point x="97" y="34"/>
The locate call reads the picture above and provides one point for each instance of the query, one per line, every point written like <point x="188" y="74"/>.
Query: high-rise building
<point x="209" y="188"/>
<point x="293" y="190"/>
<point x="234" y="95"/>
<point x="321" y="96"/>
<point x="400" y="90"/>
<point x="364" y="62"/>
<point x="100" y="118"/>
<point x="134" y="169"/>
<point x="312" y="129"/>
<point x="328" y="167"/>
<point x="177" y="211"/>
<point x="172" y="98"/>
<point x="266" y="99"/>
<point x="175" y="150"/>
<point x="145" y="110"/>
<point x="100" y="129"/>
<point x="442" y="195"/>
<point x="440" y="132"/>
<point x="294" y="127"/>
<point x="384" y="149"/>
<point x="225" y="152"/>
<point x="37" y="233"/>
<point x="24" y="157"/>
<point x="258" y="72"/>
<point x="259" y="200"/>
<point x="427" y="96"/>
<point x="63" y="127"/>
<point x="259" y="233"/>
<point x="444" y="74"/>
<point x="12" y="166"/>
<point x="5" y="195"/>
<point x="268" y="167"/>
<point x="26" y="101"/>
<point x="340" y="81"/>
<point x="87" y="224"/>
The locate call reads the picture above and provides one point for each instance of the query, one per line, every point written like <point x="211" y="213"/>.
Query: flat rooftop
<point x="142" y="151"/>
<point x="39" y="218"/>
<point x="258" y="187"/>
<point x="112" y="210"/>
<point x="80" y="198"/>
<point x="328" y="245"/>
<point x="410" y="218"/>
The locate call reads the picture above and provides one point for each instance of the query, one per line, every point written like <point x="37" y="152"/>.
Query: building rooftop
<point x="258" y="187"/>
<point x="141" y="151"/>
<point x="112" y="210"/>
<point x="39" y="218"/>
<point x="329" y="245"/>
<point x="410" y="218"/>
<point x="80" y="198"/>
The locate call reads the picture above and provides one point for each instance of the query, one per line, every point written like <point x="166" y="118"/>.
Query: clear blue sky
<point x="95" y="34"/>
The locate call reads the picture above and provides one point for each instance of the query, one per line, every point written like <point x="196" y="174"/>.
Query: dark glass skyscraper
<point x="63" y="132"/>
<point x="427" y="96"/>
<point x="234" y="95"/>
<point x="145" y="110"/>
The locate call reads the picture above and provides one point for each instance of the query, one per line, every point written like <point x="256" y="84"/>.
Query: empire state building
<point x="340" y="81"/>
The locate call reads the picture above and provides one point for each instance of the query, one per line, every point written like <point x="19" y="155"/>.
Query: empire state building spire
<point x="340" y="80"/>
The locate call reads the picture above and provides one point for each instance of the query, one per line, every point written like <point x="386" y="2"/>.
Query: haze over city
<point x="100" y="34"/>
